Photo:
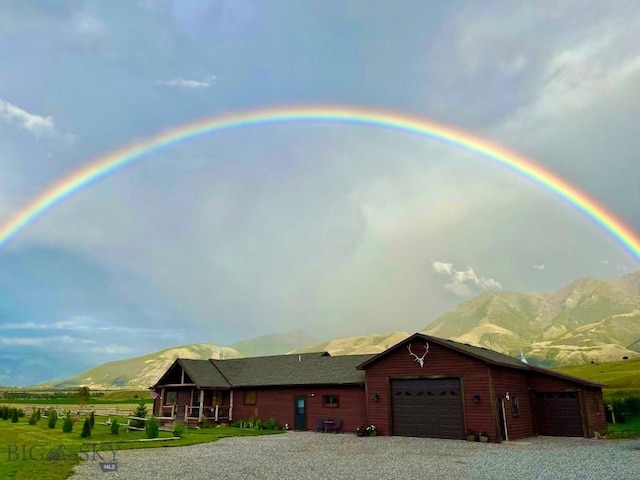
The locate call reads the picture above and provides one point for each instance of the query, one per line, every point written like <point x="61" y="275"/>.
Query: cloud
<point x="185" y="83"/>
<point x="538" y="267"/>
<point x="37" y="125"/>
<point x="462" y="279"/>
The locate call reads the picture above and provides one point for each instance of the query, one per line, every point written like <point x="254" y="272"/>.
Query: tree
<point x="14" y="416"/>
<point x="53" y="418"/>
<point x="92" y="419"/>
<point x="152" y="428"/>
<point x="115" y="427"/>
<point x="83" y="397"/>
<point x="141" y="412"/>
<point x="67" y="424"/>
<point x="86" y="429"/>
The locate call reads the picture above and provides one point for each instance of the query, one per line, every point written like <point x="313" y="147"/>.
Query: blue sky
<point x="332" y="229"/>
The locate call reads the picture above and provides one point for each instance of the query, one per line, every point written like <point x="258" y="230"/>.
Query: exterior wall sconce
<point x="376" y="397"/>
<point x="312" y="394"/>
<point x="476" y="398"/>
<point x="507" y="396"/>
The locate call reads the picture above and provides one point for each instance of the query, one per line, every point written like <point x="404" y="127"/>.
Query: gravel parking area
<point x="304" y="455"/>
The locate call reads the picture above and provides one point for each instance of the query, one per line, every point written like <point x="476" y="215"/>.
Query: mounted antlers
<point x="420" y="360"/>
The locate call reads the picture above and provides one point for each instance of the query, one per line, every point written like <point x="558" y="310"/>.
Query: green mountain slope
<point x="622" y="376"/>
<point x="589" y="320"/>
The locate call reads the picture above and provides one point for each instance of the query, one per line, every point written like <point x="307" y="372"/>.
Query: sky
<point x="328" y="228"/>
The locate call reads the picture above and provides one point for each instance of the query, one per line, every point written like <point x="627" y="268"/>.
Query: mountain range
<point x="587" y="321"/>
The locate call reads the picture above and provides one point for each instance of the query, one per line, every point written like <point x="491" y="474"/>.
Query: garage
<point x="427" y="407"/>
<point x="558" y="414"/>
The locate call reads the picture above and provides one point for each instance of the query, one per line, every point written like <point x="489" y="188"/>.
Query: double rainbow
<point x="117" y="159"/>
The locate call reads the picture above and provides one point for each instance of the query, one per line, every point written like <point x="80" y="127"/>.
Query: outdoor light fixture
<point x="506" y="395"/>
<point x="312" y="394"/>
<point x="376" y="397"/>
<point x="476" y="398"/>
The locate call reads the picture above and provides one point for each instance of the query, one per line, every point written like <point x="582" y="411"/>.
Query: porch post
<point x="216" y="414"/>
<point x="231" y="406"/>
<point x="201" y="412"/>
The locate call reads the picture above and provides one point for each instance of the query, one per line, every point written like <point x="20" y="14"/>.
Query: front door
<point x="299" y="414"/>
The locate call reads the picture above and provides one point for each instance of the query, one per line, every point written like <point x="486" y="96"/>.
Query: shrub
<point x="53" y="418"/>
<point x="5" y="413"/>
<point x="67" y="424"/>
<point x="14" y="416"/>
<point x="140" y="411"/>
<point x="35" y="416"/>
<point x="86" y="429"/>
<point x="271" y="425"/>
<point x="151" y="428"/>
<point x="92" y="419"/>
<point x="178" y="429"/>
<point x="115" y="427"/>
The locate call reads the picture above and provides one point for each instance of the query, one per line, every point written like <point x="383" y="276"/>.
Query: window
<point x="249" y="397"/>
<point x="171" y="397"/>
<point x="216" y="399"/>
<point x="330" y="401"/>
<point x="515" y="407"/>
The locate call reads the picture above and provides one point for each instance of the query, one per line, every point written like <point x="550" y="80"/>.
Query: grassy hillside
<point x="620" y="378"/>
<point x="273" y="344"/>
<point x="357" y="345"/>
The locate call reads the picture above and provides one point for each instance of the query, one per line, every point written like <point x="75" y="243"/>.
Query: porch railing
<point x="168" y="411"/>
<point x="212" y="413"/>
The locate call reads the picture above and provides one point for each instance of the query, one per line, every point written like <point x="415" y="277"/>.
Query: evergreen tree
<point x="14" y="416"/>
<point x="151" y="428"/>
<point x="86" y="429"/>
<point x="67" y="425"/>
<point x="92" y="419"/>
<point x="53" y="418"/>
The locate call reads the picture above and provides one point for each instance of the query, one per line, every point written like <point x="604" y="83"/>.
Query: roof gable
<point x="482" y="354"/>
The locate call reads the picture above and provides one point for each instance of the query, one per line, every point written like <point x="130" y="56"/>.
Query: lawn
<point x="33" y="452"/>
<point x="629" y="429"/>
<point x="620" y="378"/>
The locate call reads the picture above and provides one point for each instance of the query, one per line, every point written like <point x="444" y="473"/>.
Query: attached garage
<point x="427" y="407"/>
<point x="558" y="414"/>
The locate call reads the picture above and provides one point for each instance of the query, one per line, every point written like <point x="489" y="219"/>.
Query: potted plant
<point x="483" y="437"/>
<point x="366" y="431"/>
<point x="471" y="436"/>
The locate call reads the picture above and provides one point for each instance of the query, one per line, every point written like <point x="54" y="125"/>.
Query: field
<point x="38" y="452"/>
<point x="620" y="379"/>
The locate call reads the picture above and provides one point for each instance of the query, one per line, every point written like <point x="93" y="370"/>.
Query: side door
<point x="299" y="413"/>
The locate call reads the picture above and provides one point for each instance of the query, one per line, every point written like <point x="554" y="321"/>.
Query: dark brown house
<point x="423" y="386"/>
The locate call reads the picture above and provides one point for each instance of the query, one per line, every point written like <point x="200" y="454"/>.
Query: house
<point x="298" y="390"/>
<point x="423" y="386"/>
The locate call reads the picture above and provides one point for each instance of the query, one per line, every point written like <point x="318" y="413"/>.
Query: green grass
<point x="24" y="447"/>
<point x="629" y="429"/>
<point x="620" y="378"/>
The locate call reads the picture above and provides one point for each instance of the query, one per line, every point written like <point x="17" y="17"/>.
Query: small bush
<point x="5" y="413"/>
<point x="92" y="419"/>
<point x="86" y="429"/>
<point x="223" y="425"/>
<point x="271" y="425"/>
<point x="140" y="411"/>
<point x="14" y="416"/>
<point x="67" y="424"/>
<point x="35" y="416"/>
<point x="178" y="429"/>
<point x="53" y="418"/>
<point x="115" y="427"/>
<point x="152" y="428"/>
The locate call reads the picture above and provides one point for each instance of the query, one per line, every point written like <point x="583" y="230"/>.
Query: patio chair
<point x="320" y="425"/>
<point x="336" y="427"/>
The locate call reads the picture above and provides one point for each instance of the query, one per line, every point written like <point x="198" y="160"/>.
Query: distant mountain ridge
<point x="588" y="320"/>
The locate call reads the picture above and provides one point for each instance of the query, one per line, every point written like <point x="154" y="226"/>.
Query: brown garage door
<point x="427" y="408"/>
<point x="558" y="413"/>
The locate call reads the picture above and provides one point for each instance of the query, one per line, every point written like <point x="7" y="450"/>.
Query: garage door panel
<point x="428" y="408"/>
<point x="558" y="414"/>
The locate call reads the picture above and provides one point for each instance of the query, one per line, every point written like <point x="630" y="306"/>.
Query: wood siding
<point x="278" y="403"/>
<point x="516" y="384"/>
<point x="439" y="362"/>
<point x="595" y="410"/>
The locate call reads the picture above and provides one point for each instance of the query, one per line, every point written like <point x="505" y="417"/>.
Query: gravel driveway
<point x="304" y="455"/>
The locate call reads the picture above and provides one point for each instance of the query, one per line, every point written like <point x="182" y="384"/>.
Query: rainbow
<point x="117" y="159"/>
